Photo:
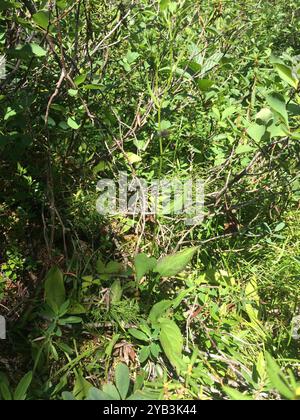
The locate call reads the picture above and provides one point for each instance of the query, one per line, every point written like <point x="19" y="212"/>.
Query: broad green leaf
<point x="22" y="387"/>
<point x="171" y="341"/>
<point x="72" y="92"/>
<point x="55" y="294"/>
<point x="144" y="353"/>
<point x="138" y="334"/>
<point x="67" y="396"/>
<point x="111" y="390"/>
<point x="133" y="158"/>
<point x="173" y="264"/>
<point x="243" y="148"/>
<point x="204" y="84"/>
<point x="143" y="264"/>
<point x="131" y="56"/>
<point x="37" y="50"/>
<point x="113" y="267"/>
<point x="164" y="125"/>
<point x="122" y="380"/>
<point x="256" y="131"/>
<point x="286" y="74"/>
<point x="228" y="112"/>
<point x="95" y="394"/>
<point x="72" y="123"/>
<point x="158" y="310"/>
<point x="116" y="291"/>
<point x="80" y="79"/>
<point x="41" y="18"/>
<point x="277" y="102"/>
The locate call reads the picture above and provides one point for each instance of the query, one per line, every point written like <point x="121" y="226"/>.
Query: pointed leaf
<point x="122" y="380"/>
<point x="278" y="104"/>
<point x="143" y="264"/>
<point x="173" y="264"/>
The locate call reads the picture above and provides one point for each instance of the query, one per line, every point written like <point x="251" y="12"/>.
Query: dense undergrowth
<point x="147" y="307"/>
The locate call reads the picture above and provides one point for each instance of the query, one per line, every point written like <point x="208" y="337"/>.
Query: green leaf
<point x="111" y="390"/>
<point x="256" y="131"/>
<point x="133" y="158"/>
<point x="138" y="334"/>
<point x="144" y="353"/>
<point x="172" y="342"/>
<point x="131" y="56"/>
<point x="4" y="388"/>
<point x="111" y="345"/>
<point x="21" y="390"/>
<point x="67" y="396"/>
<point x="72" y="123"/>
<point x="113" y="267"/>
<point x="122" y="380"/>
<point x="41" y="18"/>
<point x="80" y="79"/>
<point x="143" y="264"/>
<point x="37" y="50"/>
<point x="55" y="294"/>
<point x="264" y="116"/>
<point x="243" y="148"/>
<point x="81" y="387"/>
<point x="158" y="310"/>
<point x="72" y="92"/>
<point x="204" y="84"/>
<point x="276" y="378"/>
<point x="116" y="291"/>
<point x="164" y="4"/>
<point x="95" y="394"/>
<point x="234" y="394"/>
<point x="286" y="74"/>
<point x="228" y="112"/>
<point x="277" y="102"/>
<point x="173" y="264"/>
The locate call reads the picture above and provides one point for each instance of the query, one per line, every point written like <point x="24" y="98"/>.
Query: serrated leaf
<point x="173" y="264"/>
